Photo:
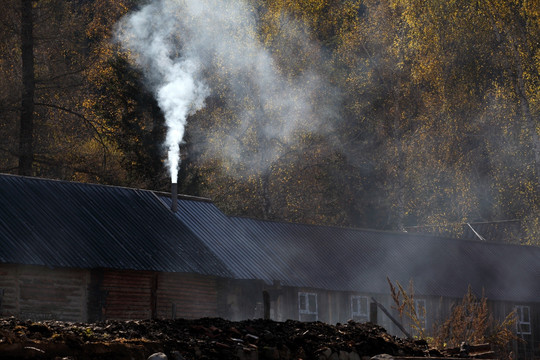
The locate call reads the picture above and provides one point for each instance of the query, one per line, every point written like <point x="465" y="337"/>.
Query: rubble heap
<point x="207" y="338"/>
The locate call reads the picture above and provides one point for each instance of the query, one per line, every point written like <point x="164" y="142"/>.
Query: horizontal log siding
<point x="9" y="288"/>
<point x="41" y="293"/>
<point x="128" y="294"/>
<point x="190" y="295"/>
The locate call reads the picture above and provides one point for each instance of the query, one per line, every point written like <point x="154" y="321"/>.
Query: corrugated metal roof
<point x="361" y="260"/>
<point x="67" y="224"/>
<point x="507" y="231"/>
<point x="64" y="224"/>
<point x="223" y="237"/>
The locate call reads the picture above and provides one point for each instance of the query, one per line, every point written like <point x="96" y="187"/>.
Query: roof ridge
<point x="157" y="192"/>
<point x="182" y="196"/>
<point x="389" y="232"/>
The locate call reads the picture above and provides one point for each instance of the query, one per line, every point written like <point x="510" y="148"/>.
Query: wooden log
<point x="387" y="313"/>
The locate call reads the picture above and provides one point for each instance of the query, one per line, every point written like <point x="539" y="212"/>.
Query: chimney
<point x="174" y="197"/>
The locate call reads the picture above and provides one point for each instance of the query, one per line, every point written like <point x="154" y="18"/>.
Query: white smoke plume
<point x="176" y="43"/>
<point x="150" y="35"/>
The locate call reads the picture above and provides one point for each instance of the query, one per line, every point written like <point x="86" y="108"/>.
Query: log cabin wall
<point x="331" y="306"/>
<point x="241" y="299"/>
<point x="188" y="296"/>
<point x="535" y="329"/>
<point x="288" y="304"/>
<point x="383" y="320"/>
<point x="526" y="327"/>
<point x="9" y="304"/>
<point x="96" y="296"/>
<point x="439" y="309"/>
<point x="39" y="293"/>
<point x="128" y="294"/>
<point x="297" y="303"/>
<point x="352" y="306"/>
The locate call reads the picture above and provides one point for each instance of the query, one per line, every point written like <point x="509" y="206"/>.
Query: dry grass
<point x="406" y="306"/>
<point x="469" y="321"/>
<point x="472" y="322"/>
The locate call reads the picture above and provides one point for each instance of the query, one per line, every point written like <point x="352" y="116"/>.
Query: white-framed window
<point x="421" y="311"/>
<point x="307" y="306"/>
<point x="360" y="308"/>
<point x="523" y="313"/>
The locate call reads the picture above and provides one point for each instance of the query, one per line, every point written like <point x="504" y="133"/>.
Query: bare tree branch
<point x="59" y="76"/>
<point x="10" y="152"/>
<point x="80" y="116"/>
<point x="89" y="123"/>
<point x="50" y="162"/>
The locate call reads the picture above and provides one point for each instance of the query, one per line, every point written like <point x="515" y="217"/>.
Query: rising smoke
<point x="179" y="44"/>
<point x="151" y="36"/>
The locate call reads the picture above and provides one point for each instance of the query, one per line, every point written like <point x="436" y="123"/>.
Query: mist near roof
<point x="180" y="45"/>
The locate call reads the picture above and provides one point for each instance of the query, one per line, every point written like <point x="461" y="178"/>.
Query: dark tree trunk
<point x="26" y="150"/>
<point x="397" y="136"/>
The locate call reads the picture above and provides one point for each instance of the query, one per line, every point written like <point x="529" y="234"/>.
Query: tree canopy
<point x="412" y="113"/>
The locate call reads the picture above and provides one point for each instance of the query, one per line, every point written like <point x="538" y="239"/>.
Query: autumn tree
<point x="435" y="68"/>
<point x="514" y="113"/>
<point x="48" y="51"/>
<point x="385" y="114"/>
<point x="131" y="121"/>
<point x="26" y="150"/>
<point x="277" y="173"/>
<point x="477" y="117"/>
<point x="11" y="89"/>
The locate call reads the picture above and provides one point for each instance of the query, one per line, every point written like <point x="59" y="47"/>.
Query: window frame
<point x="362" y="316"/>
<point x="307" y="311"/>
<point x="520" y="320"/>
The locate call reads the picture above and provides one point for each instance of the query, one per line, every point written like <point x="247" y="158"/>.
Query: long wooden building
<point x="83" y="252"/>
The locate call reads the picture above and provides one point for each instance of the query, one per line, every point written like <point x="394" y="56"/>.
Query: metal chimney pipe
<point x="174" y="197"/>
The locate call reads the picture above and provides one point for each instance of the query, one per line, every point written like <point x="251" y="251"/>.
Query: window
<point x="307" y="306"/>
<point x="523" y="319"/>
<point x="421" y="310"/>
<point x="360" y="308"/>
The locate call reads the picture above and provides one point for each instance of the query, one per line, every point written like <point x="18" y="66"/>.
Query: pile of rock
<point x="208" y="338"/>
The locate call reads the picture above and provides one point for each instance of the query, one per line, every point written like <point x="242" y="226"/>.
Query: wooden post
<point x="153" y="296"/>
<point x="398" y="324"/>
<point x="1" y="297"/>
<point x="266" y="302"/>
<point x="373" y="312"/>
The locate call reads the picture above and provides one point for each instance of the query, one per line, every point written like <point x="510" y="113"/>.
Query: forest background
<point x="429" y="114"/>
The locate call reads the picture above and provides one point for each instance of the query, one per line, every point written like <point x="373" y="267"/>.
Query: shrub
<point x="469" y="321"/>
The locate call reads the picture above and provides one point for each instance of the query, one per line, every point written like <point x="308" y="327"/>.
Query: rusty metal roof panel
<point x="67" y="224"/>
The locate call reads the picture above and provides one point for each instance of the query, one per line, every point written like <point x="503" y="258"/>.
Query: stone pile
<point x="207" y="338"/>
